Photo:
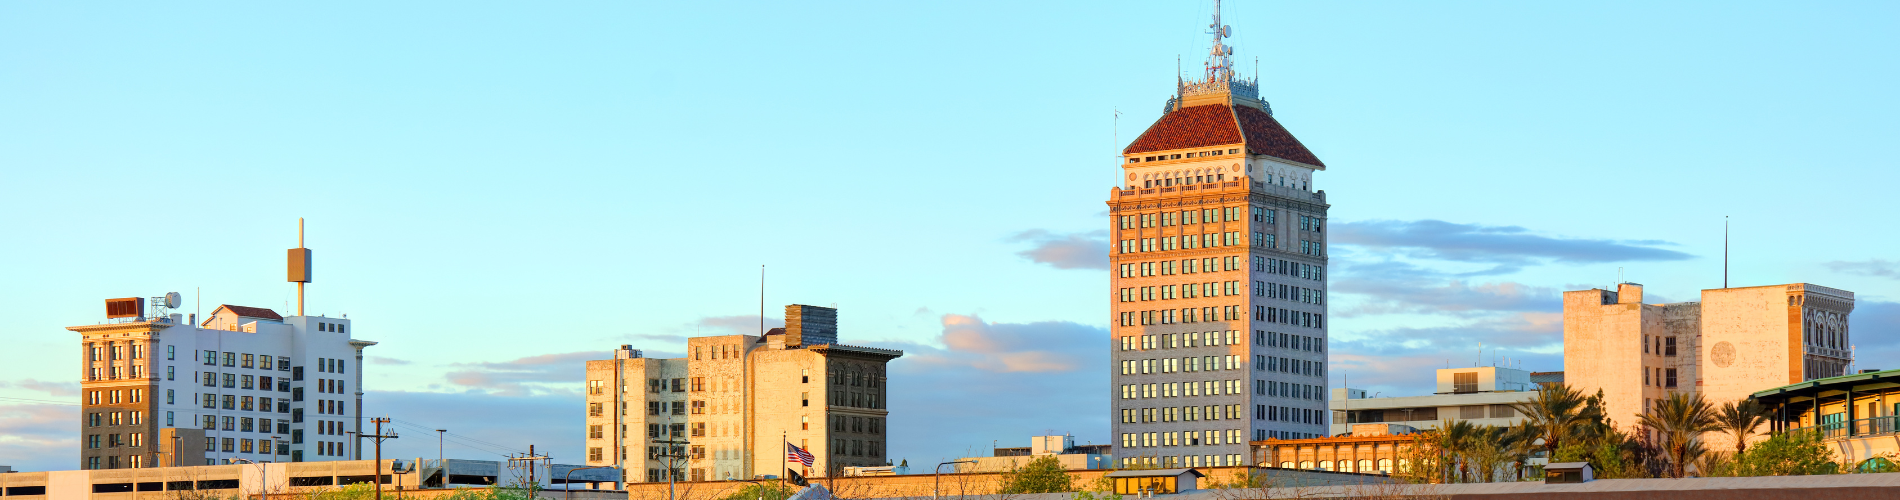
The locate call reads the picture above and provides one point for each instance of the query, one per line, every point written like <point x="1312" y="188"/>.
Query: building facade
<point x="1732" y="343"/>
<point x="1482" y="395"/>
<point x="1857" y="415"/>
<point x="246" y="383"/>
<point x="725" y="409"/>
<point x="1218" y="288"/>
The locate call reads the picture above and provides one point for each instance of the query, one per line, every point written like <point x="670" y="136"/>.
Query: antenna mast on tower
<point x="298" y="266"/>
<point x="1220" y="66"/>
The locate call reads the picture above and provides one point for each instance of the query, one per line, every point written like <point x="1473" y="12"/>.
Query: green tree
<point x="1558" y="413"/>
<point x="758" y="492"/>
<point x="1679" y="422"/>
<point x="1794" y="453"/>
<point x="1740" y="419"/>
<point x="1520" y="442"/>
<point x="1042" y="475"/>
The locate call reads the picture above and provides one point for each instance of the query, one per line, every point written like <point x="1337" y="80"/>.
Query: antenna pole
<point x="760" y="301"/>
<point x="300" y="291"/>
<point x="1725" y="251"/>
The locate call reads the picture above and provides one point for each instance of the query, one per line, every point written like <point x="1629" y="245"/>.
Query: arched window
<point x="1385" y="465"/>
<point x="1326" y="465"/>
<point x="1364" y="466"/>
<point x="1306" y="464"/>
<point x="1286" y="465"/>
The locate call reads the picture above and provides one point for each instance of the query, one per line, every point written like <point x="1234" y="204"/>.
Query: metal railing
<point x="1877" y="426"/>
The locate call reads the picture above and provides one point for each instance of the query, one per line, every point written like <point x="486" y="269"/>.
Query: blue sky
<point x="497" y="191"/>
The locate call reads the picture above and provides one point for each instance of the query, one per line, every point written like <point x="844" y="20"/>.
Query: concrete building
<point x="1063" y="448"/>
<point x="245" y="383"/>
<point x="1482" y="395"/>
<point x="1219" y="282"/>
<point x="1734" y="342"/>
<point x="724" y="409"/>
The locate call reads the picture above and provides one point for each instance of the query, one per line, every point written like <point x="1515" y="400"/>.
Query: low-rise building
<point x="1368" y="448"/>
<point x="1855" y="414"/>
<point x="1480" y="394"/>
<point x="1063" y="448"/>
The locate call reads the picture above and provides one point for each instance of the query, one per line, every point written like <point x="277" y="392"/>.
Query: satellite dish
<point x="1226" y="31"/>
<point x="1229" y="48"/>
<point x="172" y="299"/>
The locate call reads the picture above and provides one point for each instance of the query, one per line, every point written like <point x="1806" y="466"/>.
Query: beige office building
<point x="1734" y="342"/>
<point x="727" y="408"/>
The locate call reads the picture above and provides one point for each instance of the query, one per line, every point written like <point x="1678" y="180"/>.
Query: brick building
<point x="722" y="410"/>
<point x="1218" y="286"/>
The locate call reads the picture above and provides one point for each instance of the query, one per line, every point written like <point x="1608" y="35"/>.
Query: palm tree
<point x="1455" y="438"/>
<point x="1741" y="419"/>
<point x="1680" y="421"/>
<point x="1520" y="442"/>
<point x="1557" y="412"/>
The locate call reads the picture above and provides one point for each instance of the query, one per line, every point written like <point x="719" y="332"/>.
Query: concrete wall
<point x="984" y="484"/>
<point x="1603" y="351"/>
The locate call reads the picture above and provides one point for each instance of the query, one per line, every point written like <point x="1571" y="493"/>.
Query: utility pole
<point x="675" y="452"/>
<point x="379" y="437"/>
<point x="527" y="461"/>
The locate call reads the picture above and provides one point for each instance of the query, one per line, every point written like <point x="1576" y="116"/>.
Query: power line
<point x="460" y="439"/>
<point x="464" y="443"/>
<point x="470" y="438"/>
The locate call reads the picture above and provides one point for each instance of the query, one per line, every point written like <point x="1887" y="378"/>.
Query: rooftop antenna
<point x="298" y="266"/>
<point x="1218" y="63"/>
<point x="760" y="301"/>
<point x="1725" y="251"/>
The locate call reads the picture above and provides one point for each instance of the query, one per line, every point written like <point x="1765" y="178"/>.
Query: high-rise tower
<point x="1219" y="278"/>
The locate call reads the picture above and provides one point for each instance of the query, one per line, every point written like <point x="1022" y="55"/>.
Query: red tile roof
<point x="1221" y="124"/>
<point x="251" y="312"/>
<point x="1194" y="127"/>
<point x="1265" y="136"/>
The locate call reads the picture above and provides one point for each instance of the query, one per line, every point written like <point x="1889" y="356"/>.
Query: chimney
<point x="810" y="325"/>
<point x="1629" y="293"/>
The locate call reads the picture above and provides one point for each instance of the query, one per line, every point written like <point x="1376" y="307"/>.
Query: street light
<point x="567" y="487"/>
<point x="261" y="480"/>
<point x="936" y="492"/>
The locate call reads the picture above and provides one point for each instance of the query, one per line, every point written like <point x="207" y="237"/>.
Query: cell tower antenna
<point x="1220" y="66"/>
<point x="1725" y="251"/>
<point x="298" y="266"/>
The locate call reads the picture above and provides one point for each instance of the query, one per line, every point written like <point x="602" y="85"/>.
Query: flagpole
<point x="783" y="453"/>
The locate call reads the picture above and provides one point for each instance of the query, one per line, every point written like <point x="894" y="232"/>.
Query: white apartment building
<point x="245" y="383"/>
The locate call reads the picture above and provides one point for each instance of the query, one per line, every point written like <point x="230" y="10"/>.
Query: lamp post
<point x="261" y="480"/>
<point x="567" y="487"/>
<point x="936" y="491"/>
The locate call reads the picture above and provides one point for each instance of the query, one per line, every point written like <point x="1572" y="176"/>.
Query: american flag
<point x="795" y="454"/>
